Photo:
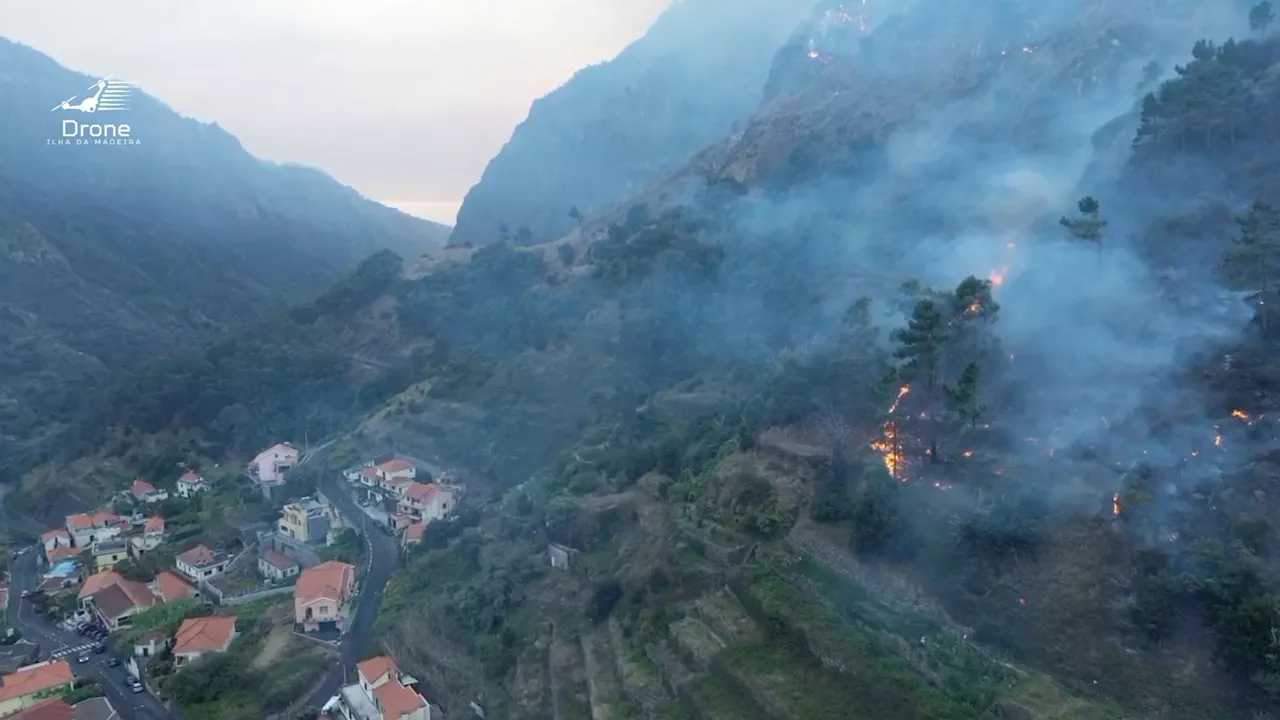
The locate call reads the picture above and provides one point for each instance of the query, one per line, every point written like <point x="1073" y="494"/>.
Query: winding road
<point x="382" y="557"/>
<point x="24" y="574"/>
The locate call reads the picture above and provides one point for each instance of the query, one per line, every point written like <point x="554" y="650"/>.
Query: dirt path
<point x="276" y="642"/>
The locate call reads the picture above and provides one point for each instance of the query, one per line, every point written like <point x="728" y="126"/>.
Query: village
<point x="158" y="596"/>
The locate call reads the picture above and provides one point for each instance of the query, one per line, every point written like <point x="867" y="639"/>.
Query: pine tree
<point x="1261" y="16"/>
<point x="1089" y="225"/>
<point x="1254" y="258"/>
<point x="921" y="348"/>
<point x="963" y="407"/>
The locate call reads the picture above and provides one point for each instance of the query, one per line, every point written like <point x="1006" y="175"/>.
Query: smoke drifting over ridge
<point x="1001" y="139"/>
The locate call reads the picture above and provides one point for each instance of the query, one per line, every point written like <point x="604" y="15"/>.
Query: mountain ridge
<point x="109" y="255"/>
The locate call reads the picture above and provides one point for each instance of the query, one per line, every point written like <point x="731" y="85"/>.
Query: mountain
<point x="942" y="387"/>
<point x="616" y="127"/>
<point x="110" y="255"/>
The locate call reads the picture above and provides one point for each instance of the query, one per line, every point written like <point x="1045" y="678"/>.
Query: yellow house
<point x="33" y="683"/>
<point x="107" y="553"/>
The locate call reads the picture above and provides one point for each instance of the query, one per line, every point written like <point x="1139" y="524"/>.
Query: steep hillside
<point x="113" y="254"/>
<point x="616" y="127"/>
<point x="865" y="412"/>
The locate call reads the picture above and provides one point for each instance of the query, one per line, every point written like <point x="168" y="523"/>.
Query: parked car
<point x="82" y="659"/>
<point x="99" y="648"/>
<point x="114" y="662"/>
<point x="137" y="688"/>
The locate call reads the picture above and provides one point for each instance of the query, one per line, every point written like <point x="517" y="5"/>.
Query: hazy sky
<point x="405" y="100"/>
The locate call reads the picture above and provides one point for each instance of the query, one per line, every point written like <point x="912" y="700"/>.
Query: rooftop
<point x="360" y="704"/>
<point x="79" y="521"/>
<point x="396" y="465"/>
<point x="51" y="709"/>
<point x="99" y="581"/>
<point x="34" y="678"/>
<point x="190" y="477"/>
<point x="170" y="587"/>
<point x="155" y="525"/>
<point x="326" y="580"/>
<point x="376" y="667"/>
<point x="141" y="488"/>
<point x="200" y="556"/>
<point x="397" y="700"/>
<point x="98" y="708"/>
<point x="205" y="634"/>
<point x="61" y="554"/>
<point x="116" y="600"/>
<point x="109" y="545"/>
<point x="279" y="560"/>
<point x="55" y="533"/>
<point x="307" y="505"/>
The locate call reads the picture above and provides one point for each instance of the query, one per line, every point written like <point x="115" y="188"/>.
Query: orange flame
<point x="1240" y="414"/>
<point x="1115" y="504"/>
<point x="887" y="444"/>
<point x="1217" y="440"/>
<point x="998" y="275"/>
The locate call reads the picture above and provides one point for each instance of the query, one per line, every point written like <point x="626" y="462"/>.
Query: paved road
<point x="53" y="640"/>
<point x="381" y="558"/>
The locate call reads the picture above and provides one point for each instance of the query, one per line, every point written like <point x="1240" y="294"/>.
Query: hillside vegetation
<point x="110" y="256"/>
<point x="949" y="398"/>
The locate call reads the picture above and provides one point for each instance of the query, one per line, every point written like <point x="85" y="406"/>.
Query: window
<point x="324" y="609"/>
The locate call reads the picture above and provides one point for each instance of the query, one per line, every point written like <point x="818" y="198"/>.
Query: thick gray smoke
<point x="1003" y="104"/>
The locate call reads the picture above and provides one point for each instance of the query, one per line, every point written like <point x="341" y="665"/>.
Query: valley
<point x="932" y="379"/>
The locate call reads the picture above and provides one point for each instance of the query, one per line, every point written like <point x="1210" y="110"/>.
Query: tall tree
<point x="921" y="346"/>
<point x="1261" y="16"/>
<point x="1254" y="258"/>
<point x="964" y="409"/>
<point x="1089" y="225"/>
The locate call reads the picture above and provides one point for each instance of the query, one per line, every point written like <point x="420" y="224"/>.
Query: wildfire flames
<point x="1240" y="414"/>
<point x="998" y="275"/>
<point x="887" y="444"/>
<point x="1115" y="504"/>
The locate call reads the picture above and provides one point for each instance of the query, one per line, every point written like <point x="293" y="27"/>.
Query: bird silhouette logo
<point x="106" y="95"/>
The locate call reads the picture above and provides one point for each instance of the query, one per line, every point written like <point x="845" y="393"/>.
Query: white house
<point x="145" y="492"/>
<point x="275" y="565"/>
<point x="270" y="464"/>
<point x="396" y="468"/>
<point x="201" y="563"/>
<point x="152" y="536"/>
<point x="197" y="637"/>
<point x="56" y="538"/>
<point x="87" y="528"/>
<point x="427" y="501"/>
<point x="191" y="484"/>
<point x="382" y="692"/>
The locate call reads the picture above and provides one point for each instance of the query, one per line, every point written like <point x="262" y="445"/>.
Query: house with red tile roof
<point x="275" y="565"/>
<point x="152" y="537"/>
<point x="57" y="537"/>
<point x="201" y="563"/>
<point x="52" y="709"/>
<point x="322" y="597"/>
<point x="28" y="685"/>
<point x="145" y="492"/>
<point x="383" y="692"/>
<point x="115" y="598"/>
<point x="88" y="528"/>
<point x="170" y="588"/>
<point x="198" y="636"/>
<point x="413" y="535"/>
<point x="191" y="484"/>
<point x="427" y="501"/>
<point x="59" y="554"/>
